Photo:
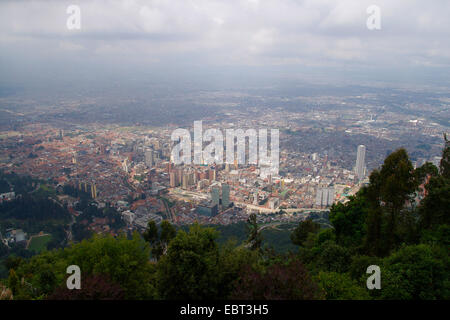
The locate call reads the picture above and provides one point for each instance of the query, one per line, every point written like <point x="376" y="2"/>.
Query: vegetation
<point x="39" y="243"/>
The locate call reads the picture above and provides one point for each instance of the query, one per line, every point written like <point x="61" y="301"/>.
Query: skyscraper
<point x="225" y="196"/>
<point x="172" y="177"/>
<point x="212" y="174"/>
<point x="93" y="191"/>
<point x="185" y="180"/>
<point x="149" y="158"/>
<point x="360" y="164"/>
<point x="215" y="195"/>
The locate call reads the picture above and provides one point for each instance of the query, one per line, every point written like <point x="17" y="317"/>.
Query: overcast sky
<point x="129" y="36"/>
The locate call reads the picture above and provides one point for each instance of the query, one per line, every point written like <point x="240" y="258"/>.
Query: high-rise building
<point x="215" y="195"/>
<point x="212" y="174"/>
<point x="330" y="196"/>
<point x="186" y="181"/>
<point x="125" y="165"/>
<point x="225" y="196"/>
<point x="149" y="158"/>
<point x="325" y="197"/>
<point x="360" y="169"/>
<point x="93" y="191"/>
<point x="179" y="176"/>
<point x="172" y="177"/>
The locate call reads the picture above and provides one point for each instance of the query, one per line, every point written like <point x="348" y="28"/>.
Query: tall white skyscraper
<point x="360" y="168"/>
<point x="149" y="159"/>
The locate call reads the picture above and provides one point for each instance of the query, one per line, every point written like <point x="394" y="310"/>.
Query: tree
<point x="339" y="286"/>
<point x="190" y="269"/>
<point x="13" y="281"/>
<point x="433" y="210"/>
<point x="333" y="257"/>
<point x="445" y="161"/>
<point x="390" y="188"/>
<point x="416" y="272"/>
<point x="159" y="240"/>
<point x="12" y="262"/>
<point x="168" y="232"/>
<point x="349" y="220"/>
<point x="95" y="287"/>
<point x="304" y="228"/>
<point x="124" y="261"/>
<point x="151" y="233"/>
<point x="280" y="281"/>
<point x="254" y="236"/>
<point x="427" y="169"/>
<point x="397" y="184"/>
<point x="232" y="259"/>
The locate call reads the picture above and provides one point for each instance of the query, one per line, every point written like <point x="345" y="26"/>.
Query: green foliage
<point x="254" y="238"/>
<point x="305" y="227"/>
<point x="151" y="233"/>
<point x="333" y="257"/>
<point x="13" y="281"/>
<point x="232" y="259"/>
<point x="339" y="286"/>
<point x="358" y="267"/>
<point x="416" y="272"/>
<point x="279" y="281"/>
<point x="190" y="268"/>
<point x="159" y="240"/>
<point x="444" y="167"/>
<point x="434" y="209"/>
<point x="125" y="261"/>
<point x="95" y="287"/>
<point x="39" y="243"/>
<point x="277" y="237"/>
<point x="348" y="220"/>
<point x="389" y="189"/>
<point x="33" y="208"/>
<point x="426" y="169"/>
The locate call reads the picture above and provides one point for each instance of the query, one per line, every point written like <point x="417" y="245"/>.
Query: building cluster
<point x="131" y="169"/>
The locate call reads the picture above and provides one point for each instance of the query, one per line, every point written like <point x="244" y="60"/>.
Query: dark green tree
<point x="279" y="281"/>
<point x="389" y="190"/>
<point x="339" y="286"/>
<point x="13" y="281"/>
<point x="301" y="232"/>
<point x="445" y="161"/>
<point x="434" y="208"/>
<point x="254" y="236"/>
<point x="416" y="272"/>
<point x="190" y="269"/>
<point x="159" y="240"/>
<point x="349" y="220"/>
<point x="427" y="169"/>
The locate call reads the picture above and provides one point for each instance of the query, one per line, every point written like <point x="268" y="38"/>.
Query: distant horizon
<point x="238" y="41"/>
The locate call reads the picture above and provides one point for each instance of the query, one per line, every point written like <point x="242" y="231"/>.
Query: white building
<point x="360" y="168"/>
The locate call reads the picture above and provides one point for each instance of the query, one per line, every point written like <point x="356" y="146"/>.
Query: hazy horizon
<point x="252" y="42"/>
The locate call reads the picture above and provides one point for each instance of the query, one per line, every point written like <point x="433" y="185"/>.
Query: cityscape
<point x="131" y="168"/>
<point x="194" y="154"/>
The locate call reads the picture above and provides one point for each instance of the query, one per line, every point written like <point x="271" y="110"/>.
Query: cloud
<point x="231" y="32"/>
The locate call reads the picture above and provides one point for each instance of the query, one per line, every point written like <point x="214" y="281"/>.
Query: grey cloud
<point x="231" y="32"/>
